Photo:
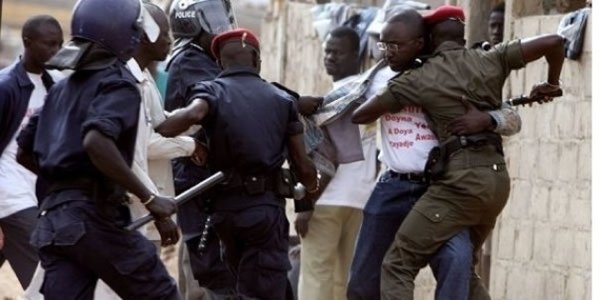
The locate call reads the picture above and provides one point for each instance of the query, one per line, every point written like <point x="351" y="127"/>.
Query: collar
<point x="22" y="77"/>
<point x="135" y="70"/>
<point x="448" y="46"/>
<point x="235" y="71"/>
<point x="180" y="46"/>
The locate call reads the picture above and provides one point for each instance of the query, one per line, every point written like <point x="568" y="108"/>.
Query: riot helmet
<point x="98" y="40"/>
<point x="113" y="24"/>
<point x="191" y="17"/>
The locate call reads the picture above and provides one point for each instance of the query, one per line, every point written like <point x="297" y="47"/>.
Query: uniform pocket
<point x="425" y="227"/>
<point x="434" y="212"/>
<point x="274" y="261"/>
<point x="140" y="258"/>
<point x="69" y="234"/>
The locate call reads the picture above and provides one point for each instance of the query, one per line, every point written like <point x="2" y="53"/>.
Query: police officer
<point x="471" y="185"/>
<point x="194" y="24"/>
<point x="250" y="123"/>
<point x="82" y="142"/>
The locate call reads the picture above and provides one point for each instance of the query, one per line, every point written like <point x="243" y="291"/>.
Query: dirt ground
<point x="10" y="289"/>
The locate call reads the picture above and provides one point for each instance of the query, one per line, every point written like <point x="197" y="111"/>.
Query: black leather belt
<point x="72" y="184"/>
<point x="476" y="140"/>
<point x="414" y="177"/>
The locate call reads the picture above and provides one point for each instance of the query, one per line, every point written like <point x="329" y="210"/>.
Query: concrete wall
<point x="542" y="241"/>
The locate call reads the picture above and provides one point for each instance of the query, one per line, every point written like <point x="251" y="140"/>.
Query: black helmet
<point x="191" y="17"/>
<point x="113" y="24"/>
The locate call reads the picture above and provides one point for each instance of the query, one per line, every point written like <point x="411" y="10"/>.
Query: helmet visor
<point x="215" y="16"/>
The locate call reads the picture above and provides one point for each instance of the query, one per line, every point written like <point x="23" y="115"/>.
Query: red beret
<point x="243" y="35"/>
<point x="443" y="13"/>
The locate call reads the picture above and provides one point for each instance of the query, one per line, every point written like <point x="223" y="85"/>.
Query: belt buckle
<point x="463" y="141"/>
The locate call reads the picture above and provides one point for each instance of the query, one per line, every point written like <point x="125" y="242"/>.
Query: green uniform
<point x="475" y="186"/>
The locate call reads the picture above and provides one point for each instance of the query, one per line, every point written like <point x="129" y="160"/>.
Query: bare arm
<point x="106" y="157"/>
<point x="550" y="46"/>
<point x="184" y="118"/>
<point x="369" y="111"/>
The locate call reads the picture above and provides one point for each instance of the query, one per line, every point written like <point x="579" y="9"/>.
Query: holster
<point x="284" y="183"/>
<point x="435" y="166"/>
<point x="280" y="182"/>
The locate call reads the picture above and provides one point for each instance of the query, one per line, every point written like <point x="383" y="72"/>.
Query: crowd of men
<point x="86" y="151"/>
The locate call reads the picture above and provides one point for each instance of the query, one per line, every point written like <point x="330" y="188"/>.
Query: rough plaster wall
<point x="542" y="241"/>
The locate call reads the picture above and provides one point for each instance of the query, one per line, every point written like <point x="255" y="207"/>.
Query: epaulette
<point x="286" y="89"/>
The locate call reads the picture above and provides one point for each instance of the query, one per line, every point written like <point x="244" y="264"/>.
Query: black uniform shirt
<point x="106" y="100"/>
<point x="188" y="67"/>
<point x="248" y="122"/>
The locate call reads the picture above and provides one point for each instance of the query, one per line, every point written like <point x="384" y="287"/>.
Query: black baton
<point x="182" y="198"/>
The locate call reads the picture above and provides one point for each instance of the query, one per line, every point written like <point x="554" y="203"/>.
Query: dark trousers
<point x="206" y="263"/>
<point x="21" y="255"/>
<point x="80" y="244"/>
<point x="256" y="242"/>
<point x="389" y="204"/>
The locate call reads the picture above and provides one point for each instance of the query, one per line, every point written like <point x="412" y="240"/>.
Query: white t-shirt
<point x="353" y="182"/>
<point x="17" y="184"/>
<point x="405" y="136"/>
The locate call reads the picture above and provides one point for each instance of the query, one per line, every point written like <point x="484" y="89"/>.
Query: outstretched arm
<point x="550" y="46"/>
<point x="184" y="118"/>
<point x="370" y="111"/>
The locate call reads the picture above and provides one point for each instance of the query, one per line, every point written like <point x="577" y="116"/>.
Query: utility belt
<point x="99" y="190"/>
<point x="109" y="199"/>
<point x="280" y="182"/>
<point x="435" y="167"/>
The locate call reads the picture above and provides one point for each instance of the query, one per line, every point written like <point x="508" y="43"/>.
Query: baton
<point x="522" y="100"/>
<point x="182" y="198"/>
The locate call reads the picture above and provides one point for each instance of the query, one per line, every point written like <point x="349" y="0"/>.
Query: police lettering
<point x="185" y="14"/>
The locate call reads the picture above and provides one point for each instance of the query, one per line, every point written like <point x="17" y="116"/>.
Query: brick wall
<point x="542" y="241"/>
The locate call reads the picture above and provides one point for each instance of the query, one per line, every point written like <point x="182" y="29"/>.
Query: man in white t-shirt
<point x="23" y="88"/>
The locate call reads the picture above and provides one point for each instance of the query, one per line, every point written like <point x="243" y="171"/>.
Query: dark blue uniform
<point x="189" y="66"/>
<point x="79" y="234"/>
<point x="248" y="124"/>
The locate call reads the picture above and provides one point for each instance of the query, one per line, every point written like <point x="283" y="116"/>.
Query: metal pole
<point x="1" y="2"/>
<point x="182" y="198"/>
